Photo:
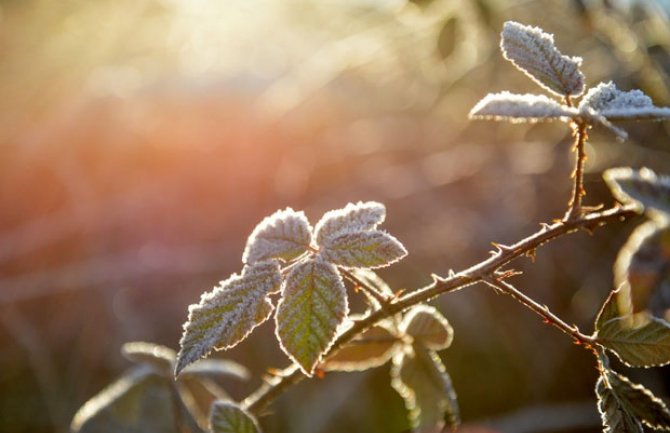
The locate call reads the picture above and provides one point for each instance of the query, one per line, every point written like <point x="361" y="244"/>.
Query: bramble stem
<point x="580" y="134"/>
<point x="542" y="310"/>
<point x="486" y="269"/>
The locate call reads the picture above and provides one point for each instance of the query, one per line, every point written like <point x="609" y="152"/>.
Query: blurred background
<point x="142" y="140"/>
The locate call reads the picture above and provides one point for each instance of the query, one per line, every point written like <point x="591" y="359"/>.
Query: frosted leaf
<point x="428" y="327"/>
<point x="533" y="51"/>
<point x="313" y="305"/>
<point x="227" y="314"/>
<point x="140" y="352"/>
<point x="614" y="104"/>
<point x="215" y="368"/>
<point x="362" y="249"/>
<point x="227" y="417"/>
<point x="641" y="187"/>
<point x="624" y="406"/>
<point x="423" y="382"/>
<point x="283" y="235"/>
<point x="371" y="349"/>
<point x="141" y="401"/>
<point x="360" y="216"/>
<point x="520" y="108"/>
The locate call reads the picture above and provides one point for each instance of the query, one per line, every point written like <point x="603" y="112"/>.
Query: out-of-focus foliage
<point x="141" y="141"/>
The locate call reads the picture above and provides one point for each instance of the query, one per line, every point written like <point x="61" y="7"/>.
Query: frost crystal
<point x="353" y="217"/>
<point x="312" y="307"/>
<point x="283" y="235"/>
<point x="613" y="104"/>
<point x="533" y="51"/>
<point x="227" y="314"/>
<point x="520" y="108"/>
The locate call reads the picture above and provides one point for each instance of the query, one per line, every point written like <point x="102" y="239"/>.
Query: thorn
<point x="532" y="254"/>
<point x="547" y="321"/>
<point x="452" y="274"/>
<point x="398" y="294"/>
<point x="320" y="373"/>
<point x="545" y="226"/>
<point x="357" y="288"/>
<point x="274" y="372"/>
<point x="501" y="247"/>
<point x="438" y="279"/>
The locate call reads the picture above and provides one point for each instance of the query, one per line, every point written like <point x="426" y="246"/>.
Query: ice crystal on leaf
<point x="227" y="314"/>
<point x="359" y="216"/>
<point x="614" y="105"/>
<point x="520" y="108"/>
<point x="533" y="51"/>
<point x="283" y="235"/>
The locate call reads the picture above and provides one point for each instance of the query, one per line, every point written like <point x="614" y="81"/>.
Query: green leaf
<point x="428" y="327"/>
<point x="640" y="187"/>
<point x="141" y="401"/>
<point x="609" y="310"/>
<point x="642" y="270"/>
<point x="367" y="249"/>
<point x="198" y="394"/>
<point x="645" y="345"/>
<point x="312" y="307"/>
<point x="615" y="415"/>
<point x="354" y="217"/>
<point x="423" y="382"/>
<point x="625" y="405"/>
<point x="227" y="417"/>
<point x="533" y="51"/>
<point x="226" y="315"/>
<point x="371" y="349"/>
<point x="159" y="356"/>
<point x="285" y="235"/>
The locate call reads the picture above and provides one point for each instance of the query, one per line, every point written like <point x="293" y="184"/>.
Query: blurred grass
<point x="143" y="140"/>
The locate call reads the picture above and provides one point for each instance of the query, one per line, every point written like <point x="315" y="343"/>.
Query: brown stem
<point x="542" y="310"/>
<point x="264" y="395"/>
<point x="578" y="192"/>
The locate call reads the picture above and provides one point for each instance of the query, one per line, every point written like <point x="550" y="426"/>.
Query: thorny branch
<point x="482" y="271"/>
<point x="580" y="134"/>
<point x="542" y="310"/>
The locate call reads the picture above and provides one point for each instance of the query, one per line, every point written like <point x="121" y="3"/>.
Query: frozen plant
<point x="303" y="275"/>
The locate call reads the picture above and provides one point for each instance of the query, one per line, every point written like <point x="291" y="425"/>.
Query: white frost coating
<point x="533" y="51"/>
<point x="428" y="327"/>
<point x="362" y="249"/>
<point x="227" y="314"/>
<point x="520" y="108"/>
<point x="353" y="217"/>
<point x="227" y="417"/>
<point x="614" y="104"/>
<point x="313" y="305"/>
<point x="641" y="187"/>
<point x="283" y="235"/>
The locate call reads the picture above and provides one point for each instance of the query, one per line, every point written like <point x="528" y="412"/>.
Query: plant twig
<point x="578" y="192"/>
<point x="542" y="310"/>
<point x="270" y="390"/>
